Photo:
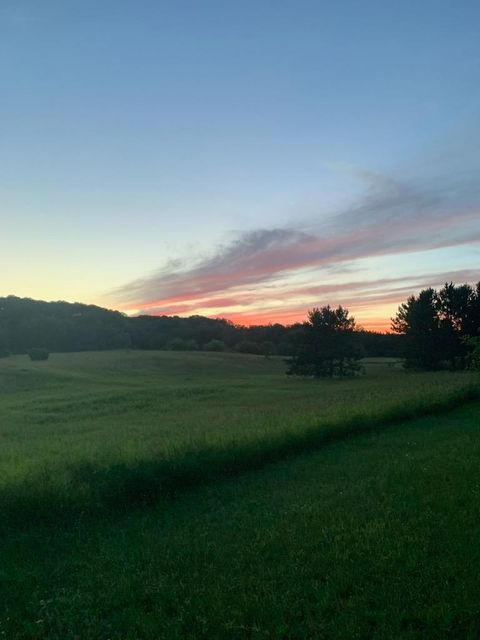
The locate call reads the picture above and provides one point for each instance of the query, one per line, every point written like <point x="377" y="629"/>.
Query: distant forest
<point x="64" y="327"/>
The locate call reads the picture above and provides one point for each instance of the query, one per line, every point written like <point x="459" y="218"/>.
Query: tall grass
<point x="88" y="486"/>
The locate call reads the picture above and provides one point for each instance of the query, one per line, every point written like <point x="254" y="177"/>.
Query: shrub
<point x="215" y="345"/>
<point x="473" y="356"/>
<point x="4" y="353"/>
<point x="177" y="344"/>
<point x="247" y="346"/>
<point x="38" y="353"/>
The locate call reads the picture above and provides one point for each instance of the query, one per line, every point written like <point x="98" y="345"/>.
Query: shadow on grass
<point x="95" y="491"/>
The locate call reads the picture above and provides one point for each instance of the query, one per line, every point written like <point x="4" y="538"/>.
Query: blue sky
<point x="153" y="153"/>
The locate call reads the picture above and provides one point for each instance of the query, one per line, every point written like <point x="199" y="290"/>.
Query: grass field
<point x="371" y="536"/>
<point x="99" y="429"/>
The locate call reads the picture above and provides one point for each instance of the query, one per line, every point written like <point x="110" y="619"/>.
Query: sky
<point x="248" y="160"/>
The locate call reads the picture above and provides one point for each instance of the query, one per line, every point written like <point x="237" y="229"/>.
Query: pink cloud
<point x="255" y="270"/>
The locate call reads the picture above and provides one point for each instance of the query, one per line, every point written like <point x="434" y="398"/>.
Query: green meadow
<point x="149" y="495"/>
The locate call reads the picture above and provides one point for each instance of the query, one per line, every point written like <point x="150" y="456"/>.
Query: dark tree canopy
<point x="327" y="345"/>
<point x="435" y="325"/>
<point x="59" y="326"/>
<point x="62" y="326"/>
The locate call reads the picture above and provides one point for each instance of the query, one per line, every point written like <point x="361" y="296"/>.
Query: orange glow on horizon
<point x="372" y="301"/>
<point x="286" y="318"/>
<point x="379" y="325"/>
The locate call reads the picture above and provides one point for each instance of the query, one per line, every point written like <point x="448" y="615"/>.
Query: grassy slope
<point x="93" y="428"/>
<point x="372" y="537"/>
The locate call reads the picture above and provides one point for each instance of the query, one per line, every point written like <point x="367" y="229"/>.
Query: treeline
<point x="439" y="330"/>
<point x="64" y="327"/>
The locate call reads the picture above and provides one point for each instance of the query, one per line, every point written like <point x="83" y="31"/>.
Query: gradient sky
<point x="246" y="159"/>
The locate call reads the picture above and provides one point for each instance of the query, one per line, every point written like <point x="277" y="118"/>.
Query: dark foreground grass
<point x="371" y="537"/>
<point x="93" y="490"/>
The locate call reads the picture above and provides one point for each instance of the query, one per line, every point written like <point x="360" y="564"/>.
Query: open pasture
<point x="89" y="428"/>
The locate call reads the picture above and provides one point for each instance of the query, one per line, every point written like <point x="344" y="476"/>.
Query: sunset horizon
<point x="249" y="163"/>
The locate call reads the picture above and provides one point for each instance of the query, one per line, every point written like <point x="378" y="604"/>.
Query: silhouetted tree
<point x="268" y="348"/>
<point x="418" y="320"/>
<point x="435" y="324"/>
<point x="326" y="347"/>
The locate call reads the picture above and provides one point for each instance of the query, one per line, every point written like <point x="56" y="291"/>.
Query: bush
<point x="38" y="353"/>
<point x="4" y="353"/>
<point x="473" y="356"/>
<point x="215" y="345"/>
<point x="177" y="344"/>
<point x="247" y="346"/>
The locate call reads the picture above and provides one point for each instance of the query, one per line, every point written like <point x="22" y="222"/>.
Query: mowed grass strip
<point x="374" y="537"/>
<point x="89" y="432"/>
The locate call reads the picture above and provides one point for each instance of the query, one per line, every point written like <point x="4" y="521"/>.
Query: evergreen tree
<point x="435" y="325"/>
<point x="326" y="346"/>
<point x="419" y="321"/>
